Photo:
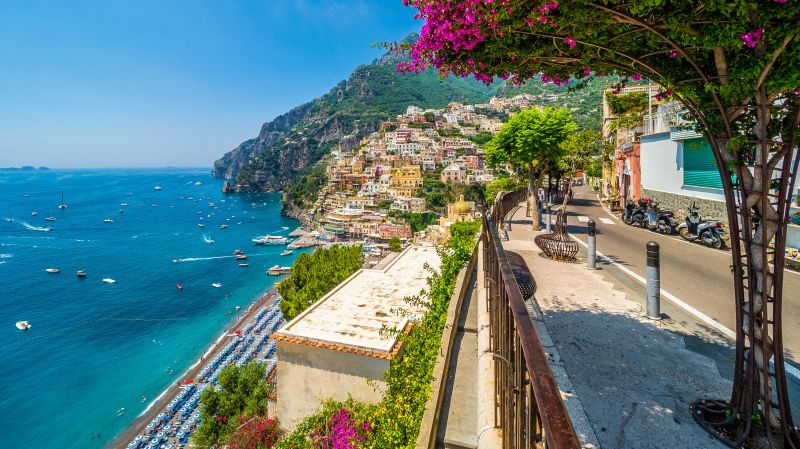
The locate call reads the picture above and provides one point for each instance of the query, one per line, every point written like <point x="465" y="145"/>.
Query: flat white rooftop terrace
<point x="351" y="316"/>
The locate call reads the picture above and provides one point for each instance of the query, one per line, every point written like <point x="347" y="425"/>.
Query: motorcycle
<point x="694" y="228"/>
<point x="632" y="209"/>
<point x="660" y="220"/>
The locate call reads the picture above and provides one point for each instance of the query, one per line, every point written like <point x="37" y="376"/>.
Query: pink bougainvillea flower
<point x="570" y="41"/>
<point x="673" y="54"/>
<point x="752" y="38"/>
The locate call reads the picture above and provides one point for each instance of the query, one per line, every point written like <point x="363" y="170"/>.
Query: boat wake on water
<point x="31" y="227"/>
<point x="207" y="239"/>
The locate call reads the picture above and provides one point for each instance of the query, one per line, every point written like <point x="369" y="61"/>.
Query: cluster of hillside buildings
<point x="388" y="168"/>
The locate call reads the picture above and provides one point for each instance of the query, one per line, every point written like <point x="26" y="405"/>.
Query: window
<point x="699" y="166"/>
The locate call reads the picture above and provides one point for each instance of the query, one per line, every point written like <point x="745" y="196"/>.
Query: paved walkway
<point x="458" y="422"/>
<point x="628" y="381"/>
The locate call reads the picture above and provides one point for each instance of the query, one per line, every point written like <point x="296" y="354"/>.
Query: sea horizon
<point x="98" y="354"/>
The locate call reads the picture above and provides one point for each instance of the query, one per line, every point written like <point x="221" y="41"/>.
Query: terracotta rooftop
<point x="352" y="317"/>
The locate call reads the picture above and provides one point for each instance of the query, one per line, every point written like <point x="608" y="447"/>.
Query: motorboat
<point x="177" y="260"/>
<point x="198" y="184"/>
<point x="10" y="220"/>
<point x="270" y="240"/>
<point x="209" y="241"/>
<point x="122" y="211"/>
<point x="244" y="265"/>
<point x="241" y="257"/>
<point x="201" y="225"/>
<point x="124" y="204"/>
<point x="278" y="270"/>
<point x="223" y="226"/>
<point x="62" y="205"/>
<point x="238" y="307"/>
<point x="52" y="270"/>
<point x="286" y="252"/>
<point x="50" y="219"/>
<point x="179" y="286"/>
<point x="109" y="281"/>
<point x="237" y="251"/>
<point x="34" y="213"/>
<point x="81" y="274"/>
<point x="216" y="285"/>
<point x="157" y="188"/>
<point x="23" y="325"/>
<point x="108" y="220"/>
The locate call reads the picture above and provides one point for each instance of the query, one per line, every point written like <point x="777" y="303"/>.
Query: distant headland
<point x="24" y="167"/>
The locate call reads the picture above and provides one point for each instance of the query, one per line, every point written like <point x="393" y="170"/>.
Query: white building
<point x="337" y="348"/>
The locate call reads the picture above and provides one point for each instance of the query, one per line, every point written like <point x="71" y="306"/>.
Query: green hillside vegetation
<point x="313" y="275"/>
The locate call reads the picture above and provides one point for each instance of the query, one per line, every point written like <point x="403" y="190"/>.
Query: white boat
<point x="23" y="325"/>
<point x="108" y="220"/>
<point x="52" y="270"/>
<point x="201" y="225"/>
<point x="62" y="205"/>
<point x="50" y="219"/>
<point x="124" y="204"/>
<point x="270" y="240"/>
<point x="81" y="274"/>
<point x="223" y="226"/>
<point x="157" y="187"/>
<point x="34" y="213"/>
<point x="278" y="270"/>
<point x="109" y="281"/>
<point x="286" y="252"/>
<point x="198" y="184"/>
<point x="209" y="241"/>
<point x="216" y="285"/>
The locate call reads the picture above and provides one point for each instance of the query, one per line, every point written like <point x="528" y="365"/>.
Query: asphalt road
<point x="697" y="275"/>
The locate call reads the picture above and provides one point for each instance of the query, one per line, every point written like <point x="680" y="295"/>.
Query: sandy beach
<point x="157" y="405"/>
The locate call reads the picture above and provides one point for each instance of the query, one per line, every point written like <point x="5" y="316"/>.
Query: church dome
<point x="461" y="206"/>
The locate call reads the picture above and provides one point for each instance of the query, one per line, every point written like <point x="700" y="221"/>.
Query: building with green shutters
<point x="678" y="168"/>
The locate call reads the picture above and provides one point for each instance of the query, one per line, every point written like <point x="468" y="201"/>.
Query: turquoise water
<point x="93" y="347"/>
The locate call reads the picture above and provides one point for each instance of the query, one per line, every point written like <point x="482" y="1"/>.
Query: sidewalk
<point x="627" y="381"/>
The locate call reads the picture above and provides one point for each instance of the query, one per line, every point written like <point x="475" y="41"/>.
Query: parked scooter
<point x="694" y="228"/>
<point x="660" y="220"/>
<point x="633" y="209"/>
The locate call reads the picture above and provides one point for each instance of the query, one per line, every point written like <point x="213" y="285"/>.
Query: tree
<point x="531" y="141"/>
<point x="242" y="391"/>
<point x="580" y="148"/>
<point x="313" y="275"/>
<point x="394" y="245"/>
<point x="733" y="66"/>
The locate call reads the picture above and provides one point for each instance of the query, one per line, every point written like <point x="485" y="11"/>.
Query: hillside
<point x="288" y="147"/>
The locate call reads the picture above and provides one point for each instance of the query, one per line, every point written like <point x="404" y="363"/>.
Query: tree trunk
<point x="759" y="409"/>
<point x="533" y="199"/>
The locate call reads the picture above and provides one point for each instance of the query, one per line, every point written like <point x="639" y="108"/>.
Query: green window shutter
<point x="699" y="166"/>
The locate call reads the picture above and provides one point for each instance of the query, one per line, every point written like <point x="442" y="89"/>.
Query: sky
<point x="156" y="83"/>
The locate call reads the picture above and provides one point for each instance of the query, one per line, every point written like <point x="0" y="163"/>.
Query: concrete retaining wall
<point x="678" y="204"/>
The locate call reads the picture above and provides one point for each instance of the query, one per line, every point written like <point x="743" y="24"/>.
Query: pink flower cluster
<point x="752" y="38"/>
<point x="662" y="95"/>
<point x="345" y="432"/>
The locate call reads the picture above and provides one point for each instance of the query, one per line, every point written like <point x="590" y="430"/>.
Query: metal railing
<point x="529" y="408"/>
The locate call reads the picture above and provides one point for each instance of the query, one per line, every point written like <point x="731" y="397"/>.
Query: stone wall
<point x="678" y="203"/>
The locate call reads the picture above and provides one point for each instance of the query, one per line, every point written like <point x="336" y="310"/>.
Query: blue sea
<point x="94" y="347"/>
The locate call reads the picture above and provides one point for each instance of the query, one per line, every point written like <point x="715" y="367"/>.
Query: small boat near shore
<point x="179" y="286"/>
<point x="223" y="226"/>
<point x="241" y="257"/>
<point x="52" y="270"/>
<point x="23" y="325"/>
<point x="108" y="220"/>
<point x="50" y="219"/>
<point x="270" y="240"/>
<point x="216" y="285"/>
<point x="157" y="188"/>
<point x="286" y="252"/>
<point x="109" y="281"/>
<point x="201" y="225"/>
<point x="62" y="205"/>
<point x="244" y="265"/>
<point x="34" y="213"/>
<point x="278" y="270"/>
<point x="81" y="274"/>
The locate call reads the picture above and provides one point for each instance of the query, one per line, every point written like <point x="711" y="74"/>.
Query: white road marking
<point x="583" y="218"/>
<point x="607" y="220"/>
<point x="673" y="299"/>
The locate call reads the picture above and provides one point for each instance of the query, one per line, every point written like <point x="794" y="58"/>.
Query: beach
<point x="158" y="404"/>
